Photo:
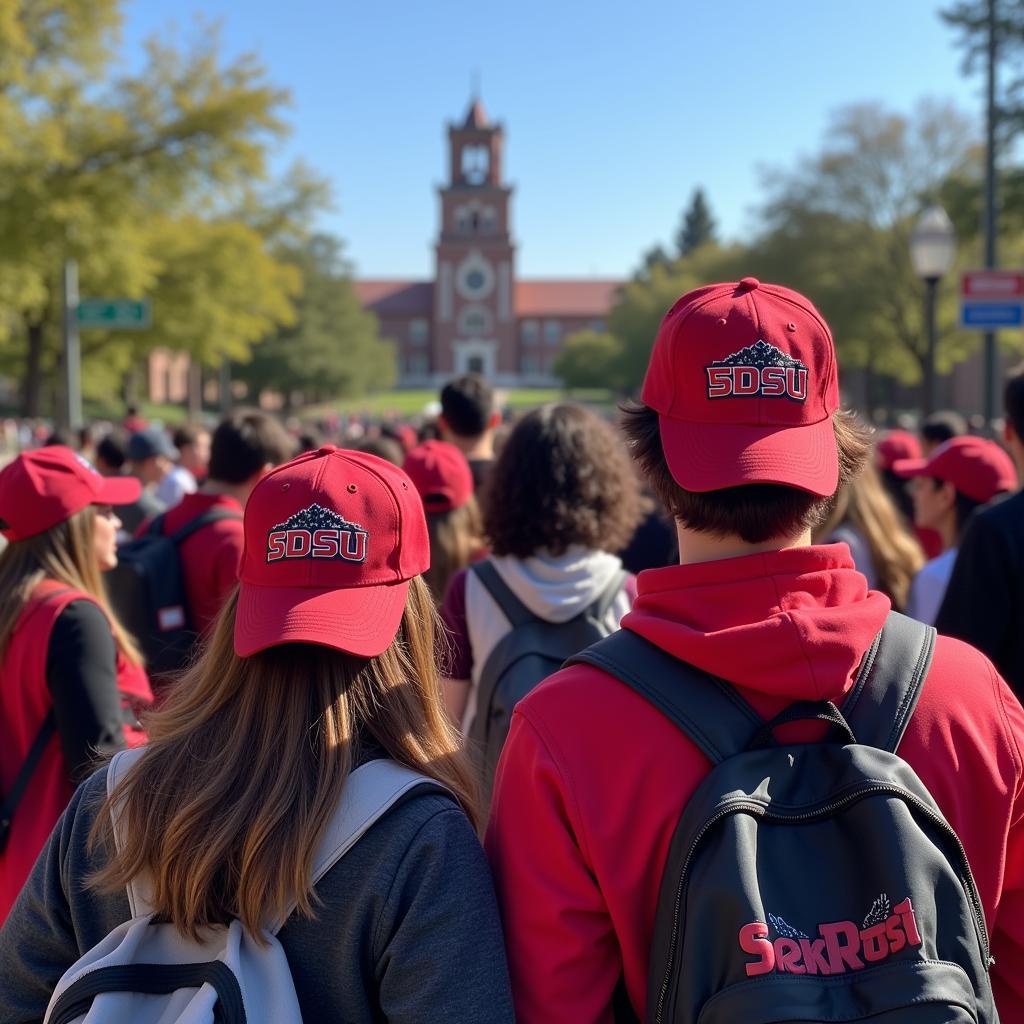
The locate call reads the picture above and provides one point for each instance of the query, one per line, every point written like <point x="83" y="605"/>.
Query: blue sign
<point x="991" y="314"/>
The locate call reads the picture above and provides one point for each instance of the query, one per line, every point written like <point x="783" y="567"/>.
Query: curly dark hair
<point x="563" y="478"/>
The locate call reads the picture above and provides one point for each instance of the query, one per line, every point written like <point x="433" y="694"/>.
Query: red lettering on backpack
<point x="754" y="940"/>
<point x="841" y="946"/>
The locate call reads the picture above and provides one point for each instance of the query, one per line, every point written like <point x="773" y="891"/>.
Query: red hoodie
<point x="593" y="779"/>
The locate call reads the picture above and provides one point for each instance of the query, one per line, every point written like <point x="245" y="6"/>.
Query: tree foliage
<point x="591" y="359"/>
<point x="149" y="181"/>
<point x="332" y="349"/>
<point x="697" y="227"/>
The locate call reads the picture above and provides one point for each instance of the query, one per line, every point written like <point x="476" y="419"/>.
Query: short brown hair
<point x="754" y="512"/>
<point x="562" y="478"/>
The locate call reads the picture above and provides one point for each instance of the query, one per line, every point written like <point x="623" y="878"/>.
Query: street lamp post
<point x="932" y="251"/>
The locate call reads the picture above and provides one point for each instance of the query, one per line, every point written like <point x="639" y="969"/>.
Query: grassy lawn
<point x="412" y="402"/>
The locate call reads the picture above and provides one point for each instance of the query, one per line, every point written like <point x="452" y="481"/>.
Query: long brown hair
<point x="247" y="760"/>
<point x="456" y="538"/>
<point x="64" y="553"/>
<point x="896" y="555"/>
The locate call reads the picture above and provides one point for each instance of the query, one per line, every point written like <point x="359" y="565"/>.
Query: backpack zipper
<point x="966" y="877"/>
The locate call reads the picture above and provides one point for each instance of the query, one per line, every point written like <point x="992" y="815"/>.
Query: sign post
<point x="72" y="349"/>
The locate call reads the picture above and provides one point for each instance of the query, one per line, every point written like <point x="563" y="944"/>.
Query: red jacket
<point x="593" y="779"/>
<point x="26" y="703"/>
<point x="210" y="558"/>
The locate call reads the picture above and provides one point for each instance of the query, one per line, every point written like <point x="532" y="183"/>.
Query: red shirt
<point x="210" y="558"/>
<point x="26" y="703"/>
<point x="593" y="778"/>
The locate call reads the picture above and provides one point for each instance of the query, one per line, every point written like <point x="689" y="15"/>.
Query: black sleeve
<point x="978" y="603"/>
<point x="81" y="675"/>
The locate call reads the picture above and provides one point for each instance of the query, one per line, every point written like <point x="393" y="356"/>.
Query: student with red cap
<point x="601" y="784"/>
<point x="957" y="478"/>
<point x="71" y="679"/>
<point x="319" y="666"/>
<point x="445" y="483"/>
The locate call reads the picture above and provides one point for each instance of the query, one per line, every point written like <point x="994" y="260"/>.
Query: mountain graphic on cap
<point x="316" y="517"/>
<point x="760" y="355"/>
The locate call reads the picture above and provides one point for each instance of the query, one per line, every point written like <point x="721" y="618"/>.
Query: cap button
<point x="749" y="284"/>
<point x="326" y="449"/>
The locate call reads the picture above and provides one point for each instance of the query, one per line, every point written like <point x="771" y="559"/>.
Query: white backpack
<point x="145" y="973"/>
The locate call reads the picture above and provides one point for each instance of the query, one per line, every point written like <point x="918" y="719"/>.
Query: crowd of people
<point x="482" y="719"/>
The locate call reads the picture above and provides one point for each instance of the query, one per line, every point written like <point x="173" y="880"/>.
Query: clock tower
<point x="474" y="327"/>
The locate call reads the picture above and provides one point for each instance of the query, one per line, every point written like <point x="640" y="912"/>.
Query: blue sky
<point x="613" y="112"/>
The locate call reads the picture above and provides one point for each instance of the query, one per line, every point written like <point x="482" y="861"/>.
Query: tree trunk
<point x="31" y="403"/>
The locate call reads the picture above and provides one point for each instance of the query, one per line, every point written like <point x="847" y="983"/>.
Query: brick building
<point x="476" y="315"/>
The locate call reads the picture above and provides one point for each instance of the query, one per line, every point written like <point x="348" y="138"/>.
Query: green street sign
<point x="123" y="314"/>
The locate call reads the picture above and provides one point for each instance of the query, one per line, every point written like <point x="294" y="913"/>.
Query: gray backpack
<point x="145" y="972"/>
<point x="809" y="882"/>
<point x="533" y="650"/>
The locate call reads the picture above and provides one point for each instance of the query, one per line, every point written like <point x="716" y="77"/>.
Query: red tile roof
<point x="397" y="298"/>
<point x="586" y="297"/>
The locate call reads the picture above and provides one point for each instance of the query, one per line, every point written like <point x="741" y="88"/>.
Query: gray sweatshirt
<point x="408" y="930"/>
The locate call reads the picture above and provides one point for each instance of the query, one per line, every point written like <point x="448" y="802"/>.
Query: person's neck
<point x="947" y="531"/>
<point x="481" y="447"/>
<point x="220" y="488"/>
<point x="695" y="546"/>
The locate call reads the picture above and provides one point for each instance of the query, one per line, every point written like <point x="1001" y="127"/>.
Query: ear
<point x="1009" y="433"/>
<point x="495" y="421"/>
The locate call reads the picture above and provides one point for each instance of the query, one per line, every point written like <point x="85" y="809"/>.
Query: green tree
<point x="697" y="227"/>
<point x="103" y="167"/>
<point x="591" y="359"/>
<point x="333" y="348"/>
<point x="838" y="228"/>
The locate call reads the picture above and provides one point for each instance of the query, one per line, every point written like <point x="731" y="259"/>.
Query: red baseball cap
<point x="975" y="466"/>
<point x="42" y="488"/>
<point x="332" y="539"/>
<point x="441" y="475"/>
<point x="743" y="377"/>
<point x="897" y="445"/>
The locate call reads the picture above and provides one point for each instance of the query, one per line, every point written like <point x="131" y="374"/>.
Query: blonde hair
<point x="456" y="538"/>
<point x="247" y="760"/>
<point x="65" y="553"/>
<point x="896" y="555"/>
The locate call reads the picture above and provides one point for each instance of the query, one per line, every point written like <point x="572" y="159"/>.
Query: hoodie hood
<point x="793" y="623"/>
<point x="557" y="588"/>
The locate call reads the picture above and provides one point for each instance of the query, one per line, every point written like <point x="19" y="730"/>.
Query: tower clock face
<point x="474" y="277"/>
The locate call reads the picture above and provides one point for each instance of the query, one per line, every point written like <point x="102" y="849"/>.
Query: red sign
<point x="993" y="285"/>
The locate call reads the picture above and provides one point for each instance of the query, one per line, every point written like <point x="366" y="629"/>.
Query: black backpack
<point x="809" y="882"/>
<point x="533" y="650"/>
<point x="147" y="592"/>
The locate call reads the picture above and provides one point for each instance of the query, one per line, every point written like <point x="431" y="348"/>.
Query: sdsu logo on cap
<point x="759" y="371"/>
<point x="317" y="532"/>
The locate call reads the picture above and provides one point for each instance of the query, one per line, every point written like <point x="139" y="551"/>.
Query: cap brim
<point x="713" y="456"/>
<point x="358" y="620"/>
<point x="910" y="467"/>
<point x="118" y="490"/>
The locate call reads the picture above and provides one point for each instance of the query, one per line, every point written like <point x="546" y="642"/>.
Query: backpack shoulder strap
<point x="138" y="891"/>
<point x="213" y="515"/>
<point x="512" y="608"/>
<point x="711" y="713"/>
<point x="25" y="773"/>
<point x="602" y="604"/>
<point x="369" y="793"/>
<point x="156" y="525"/>
<point x="889" y="683"/>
